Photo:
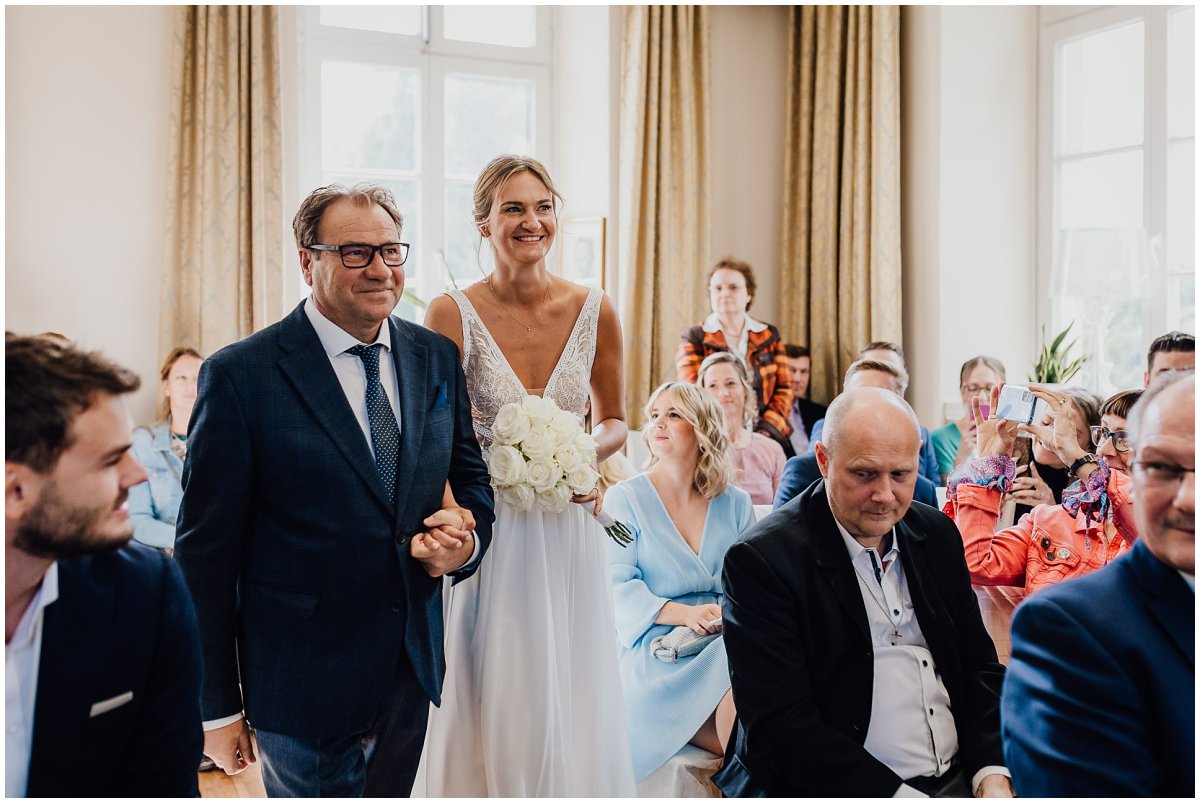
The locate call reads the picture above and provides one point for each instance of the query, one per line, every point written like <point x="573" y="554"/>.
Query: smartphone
<point x="1016" y="403"/>
<point x="983" y="408"/>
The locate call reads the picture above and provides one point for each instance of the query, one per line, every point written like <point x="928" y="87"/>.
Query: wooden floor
<point x="247" y="783"/>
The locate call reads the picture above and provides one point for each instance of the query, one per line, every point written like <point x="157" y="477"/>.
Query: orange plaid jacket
<point x="768" y="366"/>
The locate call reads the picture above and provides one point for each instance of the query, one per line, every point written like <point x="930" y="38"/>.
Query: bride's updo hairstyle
<point x="714" y="468"/>
<point x="498" y="171"/>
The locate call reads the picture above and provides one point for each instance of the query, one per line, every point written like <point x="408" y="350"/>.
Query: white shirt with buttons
<point x="22" y="659"/>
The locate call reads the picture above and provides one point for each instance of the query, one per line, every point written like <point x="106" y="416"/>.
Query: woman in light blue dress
<point x="684" y="513"/>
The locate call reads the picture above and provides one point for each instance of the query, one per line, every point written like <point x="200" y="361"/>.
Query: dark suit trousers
<point x="380" y="761"/>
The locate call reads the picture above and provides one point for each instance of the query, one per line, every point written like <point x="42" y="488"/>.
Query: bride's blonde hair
<point x="714" y="467"/>
<point x="498" y="171"/>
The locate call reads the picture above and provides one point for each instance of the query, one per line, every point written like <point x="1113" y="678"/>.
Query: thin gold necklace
<point x="541" y="307"/>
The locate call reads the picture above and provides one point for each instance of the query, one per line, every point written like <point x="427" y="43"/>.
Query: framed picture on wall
<point x="581" y="250"/>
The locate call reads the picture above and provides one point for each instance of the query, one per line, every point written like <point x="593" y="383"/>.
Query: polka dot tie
<point x="385" y="434"/>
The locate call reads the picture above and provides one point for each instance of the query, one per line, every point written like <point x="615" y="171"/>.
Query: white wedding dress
<point x="531" y="705"/>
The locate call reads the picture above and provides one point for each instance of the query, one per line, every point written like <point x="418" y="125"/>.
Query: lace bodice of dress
<point x="492" y="383"/>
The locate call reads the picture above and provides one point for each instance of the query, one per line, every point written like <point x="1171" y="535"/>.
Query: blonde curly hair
<point x="714" y="467"/>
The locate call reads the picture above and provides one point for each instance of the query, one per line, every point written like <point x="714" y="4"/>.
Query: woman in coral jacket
<point x="1093" y="525"/>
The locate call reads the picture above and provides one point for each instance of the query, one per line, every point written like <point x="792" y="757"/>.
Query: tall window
<point x="420" y="98"/>
<point x="1119" y="183"/>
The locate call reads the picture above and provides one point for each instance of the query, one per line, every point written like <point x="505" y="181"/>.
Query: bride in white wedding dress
<point x="531" y="705"/>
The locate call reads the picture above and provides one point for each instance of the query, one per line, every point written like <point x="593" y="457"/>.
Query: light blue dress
<point x="666" y="703"/>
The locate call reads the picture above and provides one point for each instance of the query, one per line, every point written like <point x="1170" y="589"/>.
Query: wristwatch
<point x="1081" y="462"/>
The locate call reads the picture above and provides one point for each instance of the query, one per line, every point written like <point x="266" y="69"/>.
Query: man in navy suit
<point x="315" y="526"/>
<point x="801" y="471"/>
<point x="1100" y="699"/>
<point x="102" y="657"/>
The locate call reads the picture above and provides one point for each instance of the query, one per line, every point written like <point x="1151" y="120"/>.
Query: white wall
<point x="969" y="193"/>
<point x="749" y="90"/>
<point x="86" y="106"/>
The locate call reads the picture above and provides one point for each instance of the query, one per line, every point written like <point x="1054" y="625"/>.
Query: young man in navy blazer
<point x="315" y="527"/>
<point x="102" y="659"/>
<point x="1100" y="699"/>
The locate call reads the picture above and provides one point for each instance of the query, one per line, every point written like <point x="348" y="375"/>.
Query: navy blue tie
<point x="385" y="434"/>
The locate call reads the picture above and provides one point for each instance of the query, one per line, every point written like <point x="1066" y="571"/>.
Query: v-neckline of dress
<point x="703" y="532"/>
<point x="508" y="365"/>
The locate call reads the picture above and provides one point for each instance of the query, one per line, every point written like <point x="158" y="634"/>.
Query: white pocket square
<point x="104" y="706"/>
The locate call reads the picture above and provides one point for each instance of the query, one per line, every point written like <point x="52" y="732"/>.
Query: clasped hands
<point x="448" y="543"/>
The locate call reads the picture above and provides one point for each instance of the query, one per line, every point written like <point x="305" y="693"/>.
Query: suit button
<point x="867" y="657"/>
<point x="858" y="726"/>
<point x="401" y="539"/>
<point x="397" y="605"/>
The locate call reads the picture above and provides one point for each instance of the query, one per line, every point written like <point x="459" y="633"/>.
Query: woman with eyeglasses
<point x="954" y="443"/>
<point x="1094" y="524"/>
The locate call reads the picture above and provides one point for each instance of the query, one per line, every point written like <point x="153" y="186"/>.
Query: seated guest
<point x="955" y="443"/>
<point x="859" y="661"/>
<point x="805" y="412"/>
<point x="729" y="328"/>
<point x="1111" y="438"/>
<point x="1100" y="699"/>
<point x="102" y="653"/>
<point x="1174" y="351"/>
<point x="154" y="505"/>
<point x="758" y="459"/>
<point x="684" y="512"/>
<point x="1091" y="528"/>
<point x="801" y="471"/>
<point x="1047" y="476"/>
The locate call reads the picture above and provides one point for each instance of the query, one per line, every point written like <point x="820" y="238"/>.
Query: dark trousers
<point x="380" y="761"/>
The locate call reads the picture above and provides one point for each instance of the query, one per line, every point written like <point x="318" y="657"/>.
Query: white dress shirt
<point x="22" y="658"/>
<point x="907" y="694"/>
<point x="713" y="324"/>
<point x="799" y="436"/>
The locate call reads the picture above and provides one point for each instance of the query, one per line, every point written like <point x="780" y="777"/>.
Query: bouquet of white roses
<point x="541" y="457"/>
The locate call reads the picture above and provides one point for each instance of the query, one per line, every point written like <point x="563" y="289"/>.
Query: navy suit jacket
<point x="121" y="634"/>
<point x="801" y="471"/>
<point x="1100" y="698"/>
<point x="802" y="663"/>
<point x="300" y="569"/>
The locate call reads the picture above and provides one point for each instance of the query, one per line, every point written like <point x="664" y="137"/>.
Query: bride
<point x="531" y="705"/>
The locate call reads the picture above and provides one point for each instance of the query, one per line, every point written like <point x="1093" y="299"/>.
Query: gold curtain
<point x="840" y="271"/>
<point x="664" y="190"/>
<point x="222" y="266"/>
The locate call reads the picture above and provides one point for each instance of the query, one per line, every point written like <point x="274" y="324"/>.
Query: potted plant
<point x="1054" y="365"/>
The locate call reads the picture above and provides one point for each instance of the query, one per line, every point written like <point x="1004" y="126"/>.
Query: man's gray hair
<point x="844" y="403"/>
<point x="899" y="374"/>
<point x="306" y="224"/>
<point x="1133" y="425"/>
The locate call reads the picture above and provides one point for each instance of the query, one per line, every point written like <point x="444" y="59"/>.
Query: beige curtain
<point x="222" y="267"/>
<point x="840" y="271"/>
<point x="663" y="190"/>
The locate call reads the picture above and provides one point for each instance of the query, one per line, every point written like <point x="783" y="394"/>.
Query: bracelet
<point x="1088" y="457"/>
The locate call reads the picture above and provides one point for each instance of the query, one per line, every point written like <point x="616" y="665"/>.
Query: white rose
<point x="539" y="410"/>
<point x="583" y="479"/>
<point x="511" y="425"/>
<point x="542" y="474"/>
<point x="586" y="446"/>
<point x="564" y="425"/>
<point x="506" y="465"/>
<point x="568" y="457"/>
<point x="520" y="497"/>
<point x="554" y="500"/>
<point x="539" y="443"/>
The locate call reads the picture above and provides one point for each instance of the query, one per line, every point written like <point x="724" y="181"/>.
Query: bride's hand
<point x="595" y="495"/>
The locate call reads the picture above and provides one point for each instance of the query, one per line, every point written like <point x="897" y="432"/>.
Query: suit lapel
<point x="412" y="375"/>
<point x="1168" y="598"/>
<point x="74" y="655"/>
<point x="306" y="365"/>
<point x="833" y="558"/>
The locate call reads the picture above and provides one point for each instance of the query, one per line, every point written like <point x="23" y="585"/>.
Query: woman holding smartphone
<point x="954" y="443"/>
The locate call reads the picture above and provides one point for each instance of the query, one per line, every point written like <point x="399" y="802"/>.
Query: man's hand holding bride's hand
<point x="448" y="543"/>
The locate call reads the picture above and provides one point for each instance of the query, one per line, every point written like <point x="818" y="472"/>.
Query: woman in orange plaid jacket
<point x="731" y="288"/>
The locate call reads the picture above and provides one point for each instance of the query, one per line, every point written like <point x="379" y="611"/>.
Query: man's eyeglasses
<point x="1164" y="474"/>
<point x="359" y="255"/>
<point x="1120" y="438"/>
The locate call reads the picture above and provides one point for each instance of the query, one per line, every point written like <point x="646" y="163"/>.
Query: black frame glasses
<point x="355" y="251"/>
<point x="1120" y="438"/>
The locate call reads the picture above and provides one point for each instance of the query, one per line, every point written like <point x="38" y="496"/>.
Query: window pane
<point x="1111" y="338"/>
<point x="368" y="117"/>
<point x="1181" y="314"/>
<point x="467" y="258"/>
<point x="485" y="117"/>
<point x="1181" y="72"/>
<point x="388" y="19"/>
<point x="1102" y="191"/>
<point x="512" y="26"/>
<point x="1181" y="207"/>
<point x="1102" y="86"/>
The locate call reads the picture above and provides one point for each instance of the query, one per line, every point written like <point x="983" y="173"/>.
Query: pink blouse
<point x="759" y="468"/>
